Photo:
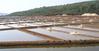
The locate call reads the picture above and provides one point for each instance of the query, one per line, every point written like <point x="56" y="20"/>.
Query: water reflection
<point x="15" y="35"/>
<point x="60" y="35"/>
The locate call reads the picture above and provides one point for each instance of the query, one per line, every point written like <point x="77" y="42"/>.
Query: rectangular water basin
<point x="60" y="35"/>
<point x="15" y="35"/>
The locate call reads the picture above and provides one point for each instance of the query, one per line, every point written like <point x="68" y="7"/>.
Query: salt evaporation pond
<point x="16" y="35"/>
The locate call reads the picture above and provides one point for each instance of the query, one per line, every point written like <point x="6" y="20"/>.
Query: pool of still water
<point x="16" y="35"/>
<point x="61" y="35"/>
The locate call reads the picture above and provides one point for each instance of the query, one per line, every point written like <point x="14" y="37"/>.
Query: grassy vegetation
<point x="75" y="8"/>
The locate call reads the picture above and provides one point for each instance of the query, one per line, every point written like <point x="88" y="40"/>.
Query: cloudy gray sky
<point x="9" y="6"/>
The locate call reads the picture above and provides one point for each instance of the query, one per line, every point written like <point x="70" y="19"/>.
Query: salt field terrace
<point x="43" y="31"/>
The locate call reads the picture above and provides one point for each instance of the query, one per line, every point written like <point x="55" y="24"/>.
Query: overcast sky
<point x="9" y="6"/>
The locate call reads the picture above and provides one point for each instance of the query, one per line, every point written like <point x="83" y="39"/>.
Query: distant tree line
<point x="71" y="9"/>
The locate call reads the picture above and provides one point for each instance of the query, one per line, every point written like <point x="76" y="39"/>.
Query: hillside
<point x="75" y="8"/>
